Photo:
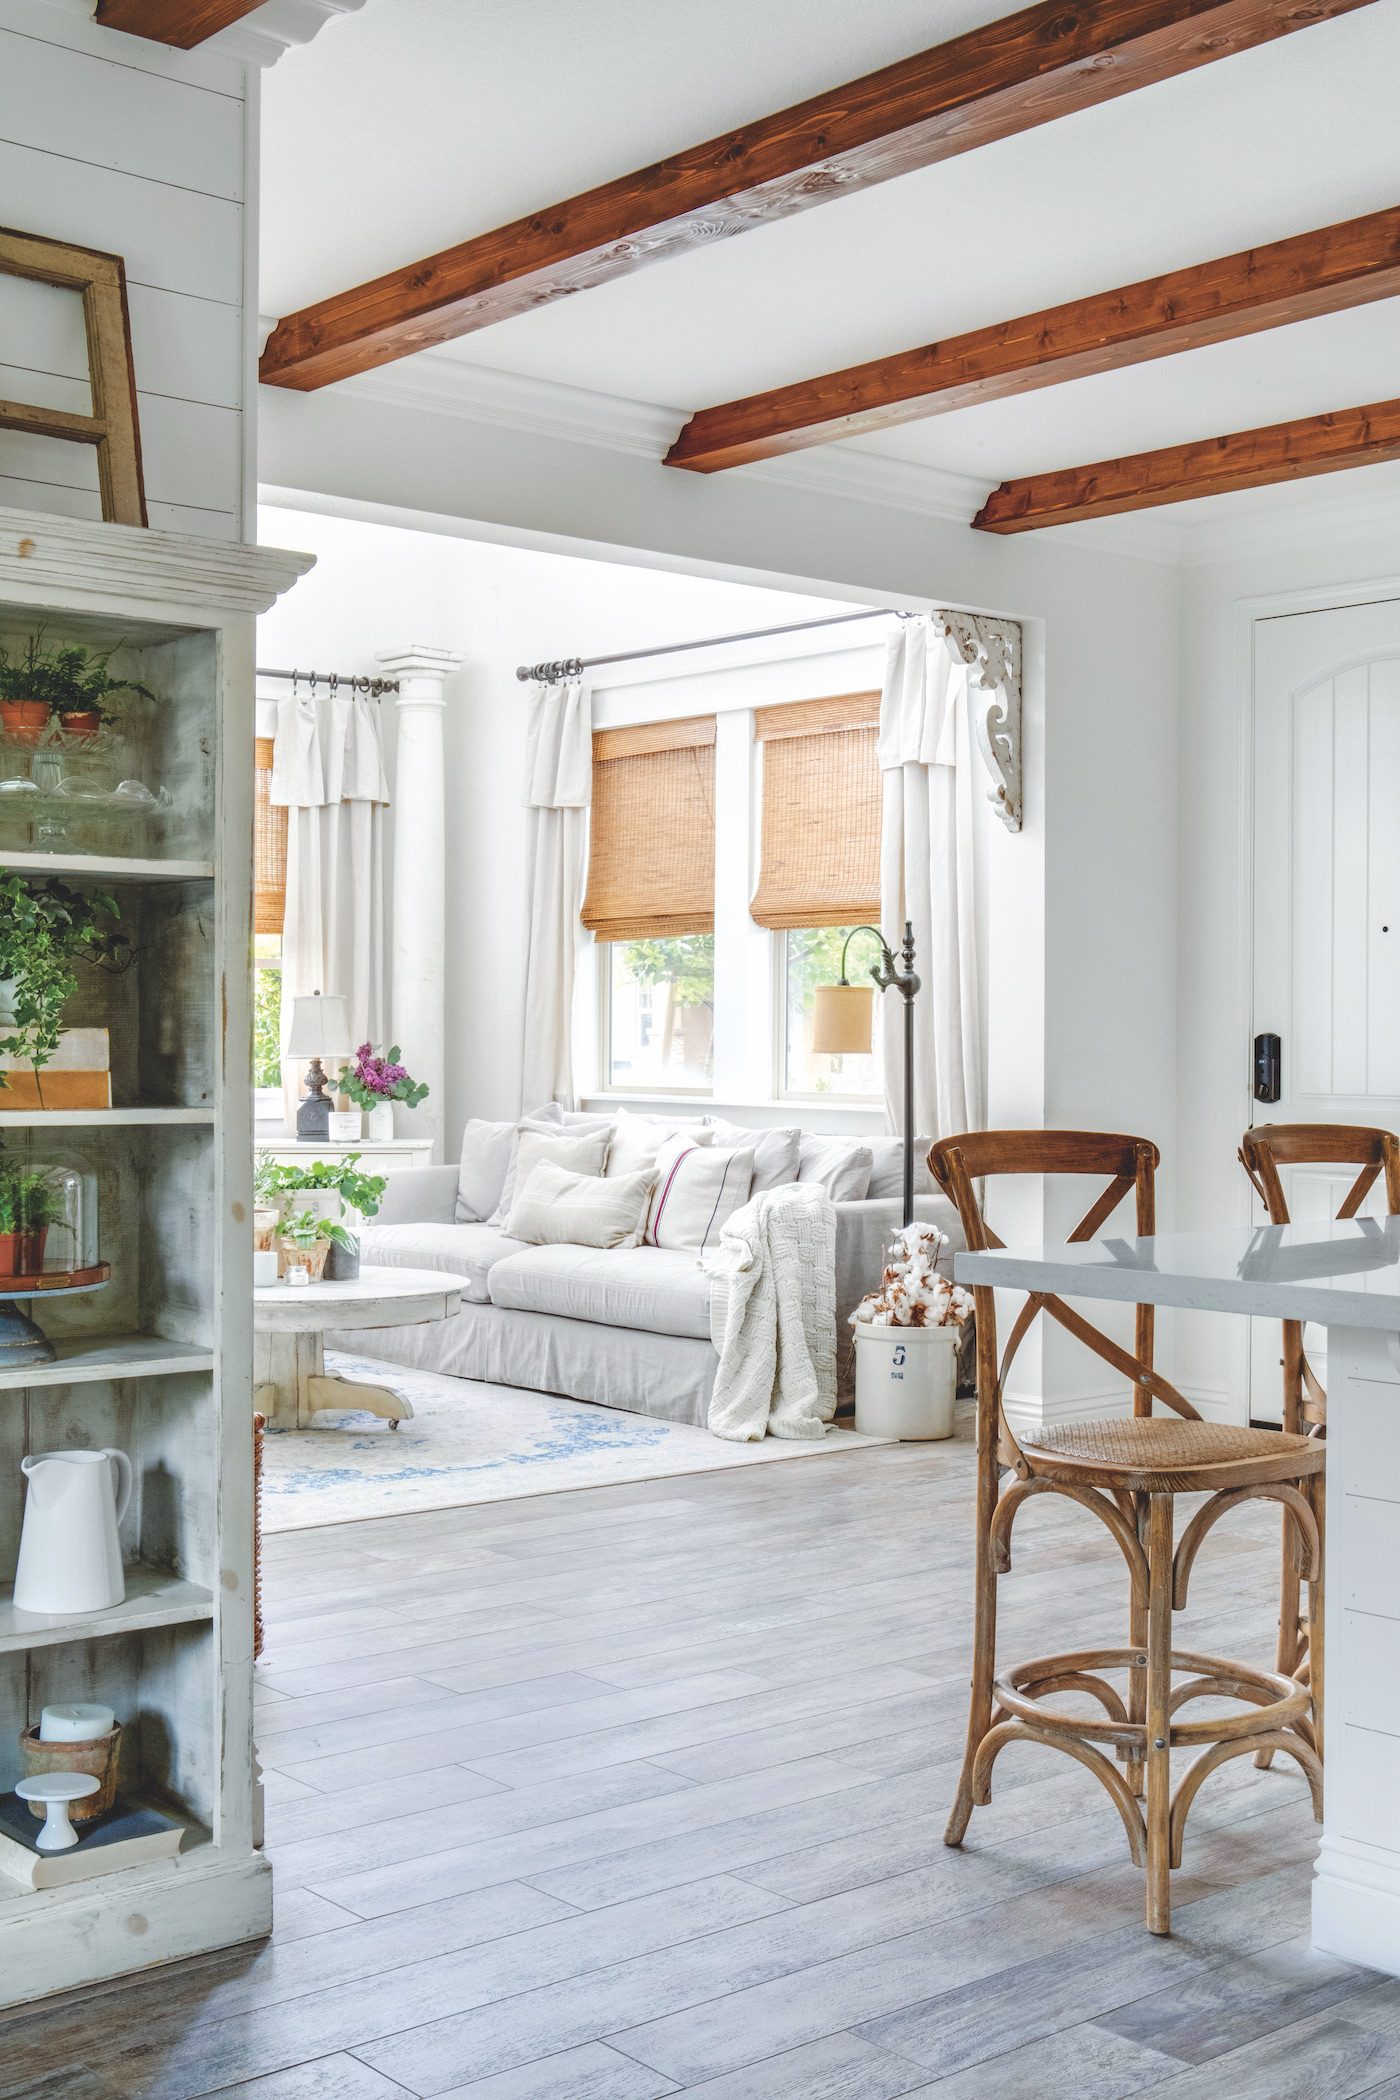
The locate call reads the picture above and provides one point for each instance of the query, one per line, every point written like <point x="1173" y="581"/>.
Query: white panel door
<point x="1326" y="890"/>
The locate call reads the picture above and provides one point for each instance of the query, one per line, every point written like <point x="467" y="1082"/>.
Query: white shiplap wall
<point x="114" y="143"/>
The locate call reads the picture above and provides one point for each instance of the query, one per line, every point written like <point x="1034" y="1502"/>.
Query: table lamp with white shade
<point x="843" y="1025"/>
<point x="320" y="1028"/>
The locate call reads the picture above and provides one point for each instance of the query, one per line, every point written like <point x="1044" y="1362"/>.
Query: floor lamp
<point x="843" y="1025"/>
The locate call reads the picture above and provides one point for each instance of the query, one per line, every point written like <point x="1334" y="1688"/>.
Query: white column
<point x="417" y="959"/>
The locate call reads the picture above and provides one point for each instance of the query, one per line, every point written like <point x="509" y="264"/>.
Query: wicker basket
<point x="99" y="1759"/>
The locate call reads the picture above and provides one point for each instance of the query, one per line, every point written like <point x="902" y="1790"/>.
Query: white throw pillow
<point x="481" y="1177"/>
<point x="697" y="1188"/>
<point x="555" y="1207"/>
<point x="887" y="1167"/>
<point x="570" y="1119"/>
<point x="775" y="1152"/>
<point x="637" y="1139"/>
<point x="838" y="1166"/>
<point x="577" y="1151"/>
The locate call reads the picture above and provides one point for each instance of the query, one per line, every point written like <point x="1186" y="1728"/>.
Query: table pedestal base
<point x="291" y="1384"/>
<point x="1356" y="1895"/>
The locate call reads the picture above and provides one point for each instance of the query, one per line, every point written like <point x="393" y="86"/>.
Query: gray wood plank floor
<point x="639" y="1791"/>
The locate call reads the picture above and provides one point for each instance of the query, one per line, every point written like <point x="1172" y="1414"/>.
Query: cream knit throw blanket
<point x="773" y="1317"/>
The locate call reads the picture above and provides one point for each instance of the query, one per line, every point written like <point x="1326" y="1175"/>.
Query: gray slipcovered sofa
<point x="628" y="1327"/>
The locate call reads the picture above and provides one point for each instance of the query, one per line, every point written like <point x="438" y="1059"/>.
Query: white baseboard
<point x="1356" y="1904"/>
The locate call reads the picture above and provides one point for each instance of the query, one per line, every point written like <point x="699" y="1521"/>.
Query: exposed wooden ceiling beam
<point x="181" y="22"/>
<point x="1006" y="77"/>
<point x="1247" y="459"/>
<point x="1293" y="280"/>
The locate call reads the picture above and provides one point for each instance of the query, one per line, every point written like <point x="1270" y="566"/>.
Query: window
<point x="267" y="1012"/>
<point x="269" y="904"/>
<point x="820" y="871"/>
<point x="704" y="977"/>
<point x="661" y="1013"/>
<point x="812" y="956"/>
<point x="650" y="902"/>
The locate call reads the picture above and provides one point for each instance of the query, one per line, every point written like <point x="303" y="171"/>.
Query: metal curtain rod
<point x="575" y="666"/>
<point x="357" y="681"/>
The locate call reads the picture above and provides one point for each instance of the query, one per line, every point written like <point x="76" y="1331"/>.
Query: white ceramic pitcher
<point x="70" y="1558"/>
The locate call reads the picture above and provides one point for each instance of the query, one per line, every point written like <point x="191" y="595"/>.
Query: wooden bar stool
<point x="1263" y="1151"/>
<point x="1126" y="1472"/>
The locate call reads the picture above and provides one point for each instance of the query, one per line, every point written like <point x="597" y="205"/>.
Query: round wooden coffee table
<point x="290" y="1380"/>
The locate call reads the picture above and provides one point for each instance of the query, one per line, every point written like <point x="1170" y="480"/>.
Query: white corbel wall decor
<point x="991" y="649"/>
<point x="417" y="992"/>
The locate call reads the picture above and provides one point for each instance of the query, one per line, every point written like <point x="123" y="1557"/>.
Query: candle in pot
<point x="75" y="1723"/>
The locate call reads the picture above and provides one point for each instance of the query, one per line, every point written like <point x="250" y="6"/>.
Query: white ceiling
<point x="417" y="123"/>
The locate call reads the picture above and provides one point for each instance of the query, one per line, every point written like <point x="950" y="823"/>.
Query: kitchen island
<point x="1345" y="1275"/>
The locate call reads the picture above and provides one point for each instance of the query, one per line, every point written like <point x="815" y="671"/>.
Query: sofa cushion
<point x="637" y="1140"/>
<point x="554" y="1208"/>
<point x="578" y="1151"/>
<point x="698" y="1189"/>
<point x="775" y="1152"/>
<point x="887" y="1166"/>
<point x="487" y="1149"/>
<point x="470" y="1251"/>
<point x="838" y="1166"/>
<point x="649" y="1288"/>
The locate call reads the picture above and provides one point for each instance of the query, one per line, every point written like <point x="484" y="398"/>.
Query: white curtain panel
<point x="926" y="876"/>
<point x="328" y="769"/>
<point x="558" y="790"/>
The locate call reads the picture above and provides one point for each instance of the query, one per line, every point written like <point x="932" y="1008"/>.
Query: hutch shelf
<point x="159" y="1362"/>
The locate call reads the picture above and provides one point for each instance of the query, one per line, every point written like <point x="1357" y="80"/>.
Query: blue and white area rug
<point x="469" y="1442"/>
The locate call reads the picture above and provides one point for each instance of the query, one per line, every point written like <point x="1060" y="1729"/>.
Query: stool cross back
<point x="1125" y="1472"/>
<point x="1265" y="1150"/>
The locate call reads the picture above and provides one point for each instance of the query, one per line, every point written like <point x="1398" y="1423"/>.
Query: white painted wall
<point x="123" y="145"/>
<point x="1221" y="598"/>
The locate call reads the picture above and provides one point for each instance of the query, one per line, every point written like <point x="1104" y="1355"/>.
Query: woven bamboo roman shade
<point x="651" y="849"/>
<point x="820" y="861"/>
<point x="269" y="846"/>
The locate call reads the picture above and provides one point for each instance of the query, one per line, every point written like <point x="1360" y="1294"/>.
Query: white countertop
<point x="1342" y="1273"/>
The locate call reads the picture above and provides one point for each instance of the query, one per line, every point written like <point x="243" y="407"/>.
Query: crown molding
<point x="263" y="36"/>
<point x="140" y="567"/>
<point x="446" y="386"/>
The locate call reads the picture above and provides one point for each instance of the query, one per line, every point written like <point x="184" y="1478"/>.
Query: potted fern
<point x="71" y="685"/>
<point x="29" y="1206"/>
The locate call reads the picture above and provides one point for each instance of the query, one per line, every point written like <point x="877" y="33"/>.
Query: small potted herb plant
<point x="29" y="1205"/>
<point x="70" y="684"/>
<point x="303" y="1246"/>
<point x="374" y="1083"/>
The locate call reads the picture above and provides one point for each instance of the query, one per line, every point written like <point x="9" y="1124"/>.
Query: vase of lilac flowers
<point x="374" y="1082"/>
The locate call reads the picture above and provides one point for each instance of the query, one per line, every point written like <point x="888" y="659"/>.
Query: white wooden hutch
<point x="158" y="1363"/>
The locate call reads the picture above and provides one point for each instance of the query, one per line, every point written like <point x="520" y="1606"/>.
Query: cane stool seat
<point x="1126" y="1473"/>
<point x="1162" y="1455"/>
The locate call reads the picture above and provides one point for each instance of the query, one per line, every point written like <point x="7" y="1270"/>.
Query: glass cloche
<point x="48" y="1243"/>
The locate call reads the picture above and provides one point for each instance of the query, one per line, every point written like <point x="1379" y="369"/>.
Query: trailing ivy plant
<point x="45" y="927"/>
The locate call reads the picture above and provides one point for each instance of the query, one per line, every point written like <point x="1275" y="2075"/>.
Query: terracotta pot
<point x="24" y="719"/>
<point x="22" y="1253"/>
<point x="313" y="1256"/>
<point x="99" y="1759"/>
<point x="84" y="722"/>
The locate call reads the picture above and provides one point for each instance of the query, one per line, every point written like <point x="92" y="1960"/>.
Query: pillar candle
<point x="75" y="1724"/>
